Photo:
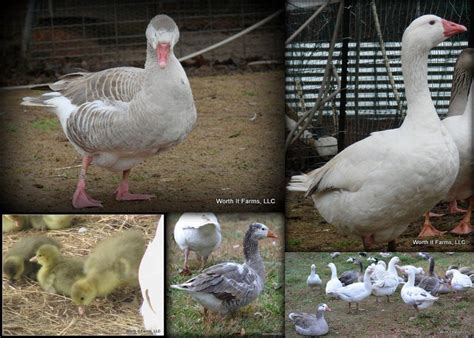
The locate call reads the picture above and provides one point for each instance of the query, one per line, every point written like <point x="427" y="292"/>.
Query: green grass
<point x="264" y="315"/>
<point x="448" y="316"/>
<point x="45" y="124"/>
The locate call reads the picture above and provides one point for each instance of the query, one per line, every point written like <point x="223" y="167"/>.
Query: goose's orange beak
<point x="451" y="28"/>
<point x="162" y="52"/>
<point x="271" y="234"/>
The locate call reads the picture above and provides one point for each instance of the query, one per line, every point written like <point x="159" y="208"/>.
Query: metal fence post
<point x="344" y="58"/>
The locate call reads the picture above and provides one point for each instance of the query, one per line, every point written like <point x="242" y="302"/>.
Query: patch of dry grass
<point x="28" y="310"/>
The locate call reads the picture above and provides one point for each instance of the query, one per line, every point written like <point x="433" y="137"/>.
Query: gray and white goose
<point x="226" y="287"/>
<point x="352" y="276"/>
<point x="117" y="117"/>
<point x="308" y="324"/>
<point x="431" y="283"/>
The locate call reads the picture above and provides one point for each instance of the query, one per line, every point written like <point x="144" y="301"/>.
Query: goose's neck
<point x="361" y="267"/>
<point x="391" y="268"/>
<point x="313" y="271"/>
<point x="432" y="267"/>
<point x="319" y="314"/>
<point x="333" y="272"/>
<point x="252" y="256"/>
<point x="411" y="279"/>
<point x="459" y="91"/>
<point x="415" y="78"/>
<point x="367" y="283"/>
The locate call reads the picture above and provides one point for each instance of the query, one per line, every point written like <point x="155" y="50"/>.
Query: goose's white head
<point x="428" y="31"/>
<point x="260" y="231"/>
<point x="323" y="307"/>
<point x="162" y="34"/>
<point x="313" y="267"/>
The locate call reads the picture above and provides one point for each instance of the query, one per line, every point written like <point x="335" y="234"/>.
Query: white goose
<point x="313" y="278"/>
<point x="376" y="187"/>
<point x="198" y="232"/>
<point x="334" y="283"/>
<point x="356" y="292"/>
<point x="151" y="277"/>
<point x="386" y="283"/>
<point x="459" y="281"/>
<point x="459" y="127"/>
<point x="414" y="295"/>
<point x="117" y="117"/>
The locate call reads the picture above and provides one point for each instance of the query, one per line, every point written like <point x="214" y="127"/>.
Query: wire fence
<point x="372" y="104"/>
<point x="106" y="33"/>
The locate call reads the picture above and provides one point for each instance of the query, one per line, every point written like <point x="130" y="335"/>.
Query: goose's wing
<point x="196" y="220"/>
<point x="419" y="296"/>
<point x="349" y="169"/>
<point x="302" y="319"/>
<point x="225" y="281"/>
<point x="114" y="84"/>
<point x="348" y="277"/>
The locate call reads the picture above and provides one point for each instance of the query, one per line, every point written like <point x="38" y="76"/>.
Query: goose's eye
<point x="82" y="298"/>
<point x="432" y="22"/>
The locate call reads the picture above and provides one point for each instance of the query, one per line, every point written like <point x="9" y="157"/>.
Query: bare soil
<point x="306" y="230"/>
<point x="227" y="155"/>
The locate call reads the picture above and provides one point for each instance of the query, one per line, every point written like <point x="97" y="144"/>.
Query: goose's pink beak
<point x="34" y="259"/>
<point x="271" y="234"/>
<point x="162" y="52"/>
<point x="451" y="28"/>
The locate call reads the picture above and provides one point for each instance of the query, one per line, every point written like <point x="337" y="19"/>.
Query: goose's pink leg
<point x="81" y="199"/>
<point x="465" y="227"/>
<point x="122" y="194"/>
<point x="453" y="208"/>
<point x="428" y="229"/>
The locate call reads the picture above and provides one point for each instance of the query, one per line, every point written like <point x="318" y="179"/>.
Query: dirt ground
<point x="448" y="317"/>
<point x="29" y="310"/>
<point x="306" y="230"/>
<point x="264" y="315"/>
<point x="235" y="151"/>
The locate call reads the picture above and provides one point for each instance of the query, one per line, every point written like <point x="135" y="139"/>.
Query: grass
<point x="448" y="316"/>
<point x="45" y="124"/>
<point x="264" y="315"/>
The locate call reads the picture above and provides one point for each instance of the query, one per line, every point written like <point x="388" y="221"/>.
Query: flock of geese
<point x="419" y="289"/>
<point x="376" y="187"/>
<point x="116" y="261"/>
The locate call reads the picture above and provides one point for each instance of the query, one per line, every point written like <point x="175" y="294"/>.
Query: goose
<point x="198" y="232"/>
<point x="226" y="287"/>
<point x="113" y="262"/>
<point x="462" y="78"/>
<point x="57" y="273"/>
<point x="419" y="272"/>
<point x="16" y="262"/>
<point x="386" y="283"/>
<point x="460" y="129"/>
<point x="313" y="278"/>
<point x="352" y="276"/>
<point x="151" y="275"/>
<point x="379" y="270"/>
<point x="356" y="292"/>
<point x="431" y="283"/>
<point x="459" y="281"/>
<point x="334" y="283"/>
<point x="307" y="324"/>
<point x="463" y="269"/>
<point x="375" y="187"/>
<point x="117" y="117"/>
<point x="414" y="295"/>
